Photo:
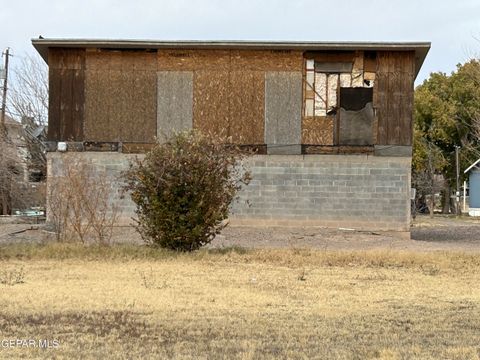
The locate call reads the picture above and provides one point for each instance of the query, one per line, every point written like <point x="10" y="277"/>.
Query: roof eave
<point x="421" y="48"/>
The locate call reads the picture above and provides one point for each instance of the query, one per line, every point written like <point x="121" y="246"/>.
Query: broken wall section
<point x="335" y="83"/>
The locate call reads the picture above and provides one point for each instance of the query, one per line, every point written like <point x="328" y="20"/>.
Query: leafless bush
<point x="78" y="204"/>
<point x="9" y="172"/>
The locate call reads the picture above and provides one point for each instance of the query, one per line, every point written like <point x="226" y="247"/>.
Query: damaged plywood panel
<point x="345" y="80"/>
<point x="247" y="107"/>
<point x="283" y="112"/>
<point x="357" y="71"/>
<point x="211" y="102"/>
<point x="175" y="102"/>
<point x="394" y="97"/>
<point x="332" y="86"/>
<point x="317" y="130"/>
<point x="320" y="95"/>
<point x="120" y="101"/>
<point x="356" y="127"/>
<point x="66" y="101"/>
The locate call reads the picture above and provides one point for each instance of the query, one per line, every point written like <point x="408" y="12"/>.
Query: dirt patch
<point x="441" y="233"/>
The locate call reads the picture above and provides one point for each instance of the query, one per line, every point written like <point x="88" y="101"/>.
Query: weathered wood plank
<point x="54" y="100"/>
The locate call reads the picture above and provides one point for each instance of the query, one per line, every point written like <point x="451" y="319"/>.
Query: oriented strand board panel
<point x="283" y="111"/>
<point x="66" y="94"/>
<point x="175" y="102"/>
<point x="120" y="97"/>
<point x="247" y="107"/>
<point x="266" y="60"/>
<point x="235" y="60"/>
<point x="211" y="102"/>
<point x="394" y="97"/>
<point x="317" y="130"/>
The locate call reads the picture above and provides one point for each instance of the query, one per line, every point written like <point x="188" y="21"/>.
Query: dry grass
<point x="135" y="302"/>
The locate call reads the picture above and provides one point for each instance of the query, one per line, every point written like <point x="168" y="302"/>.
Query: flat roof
<point x="421" y="48"/>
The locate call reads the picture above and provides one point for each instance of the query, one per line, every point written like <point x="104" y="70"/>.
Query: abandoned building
<point x="331" y="123"/>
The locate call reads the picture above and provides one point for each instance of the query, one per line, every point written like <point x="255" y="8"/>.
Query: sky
<point x="453" y="27"/>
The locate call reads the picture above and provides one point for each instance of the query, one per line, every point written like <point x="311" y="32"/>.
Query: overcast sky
<point x="451" y="26"/>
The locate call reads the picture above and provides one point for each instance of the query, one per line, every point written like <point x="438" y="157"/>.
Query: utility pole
<point x="457" y="195"/>
<point x="4" y="178"/>
<point x="4" y="93"/>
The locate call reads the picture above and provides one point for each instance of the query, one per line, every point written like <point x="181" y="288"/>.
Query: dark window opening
<point x="356" y="116"/>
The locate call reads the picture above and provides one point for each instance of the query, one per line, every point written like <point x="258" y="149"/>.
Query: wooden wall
<point x="120" y="96"/>
<point x="393" y="97"/>
<point x="111" y="95"/>
<point x="229" y="88"/>
<point x="392" y="73"/>
<point x="66" y="98"/>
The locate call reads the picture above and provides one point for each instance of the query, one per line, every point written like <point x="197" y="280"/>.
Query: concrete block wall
<point x="353" y="191"/>
<point x="109" y="164"/>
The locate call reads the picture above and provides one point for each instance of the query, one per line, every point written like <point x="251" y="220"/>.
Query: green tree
<point x="447" y="109"/>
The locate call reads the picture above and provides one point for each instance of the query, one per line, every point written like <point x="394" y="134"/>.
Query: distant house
<point x="25" y="141"/>
<point x="331" y="123"/>
<point x="473" y="172"/>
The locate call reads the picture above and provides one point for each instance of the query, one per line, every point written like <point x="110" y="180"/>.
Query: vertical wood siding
<point x="66" y="100"/>
<point x="394" y="97"/>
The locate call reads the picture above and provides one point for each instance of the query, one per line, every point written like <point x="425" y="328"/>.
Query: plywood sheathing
<point x="120" y="96"/>
<point x="175" y="102"/>
<point x="66" y="100"/>
<point x="283" y="111"/>
<point x="247" y="106"/>
<point x="318" y="130"/>
<point x="229" y="87"/>
<point x="393" y="97"/>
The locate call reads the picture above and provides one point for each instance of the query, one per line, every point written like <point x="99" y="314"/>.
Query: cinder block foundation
<point x="352" y="191"/>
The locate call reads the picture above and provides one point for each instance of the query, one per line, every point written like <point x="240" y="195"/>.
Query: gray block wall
<point x="352" y="191"/>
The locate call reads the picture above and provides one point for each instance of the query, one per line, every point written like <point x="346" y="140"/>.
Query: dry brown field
<point x="132" y="302"/>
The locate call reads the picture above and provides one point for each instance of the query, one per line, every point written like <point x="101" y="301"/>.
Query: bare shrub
<point x="78" y="203"/>
<point x="183" y="189"/>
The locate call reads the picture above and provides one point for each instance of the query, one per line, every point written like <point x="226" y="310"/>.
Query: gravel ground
<point x="440" y="233"/>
